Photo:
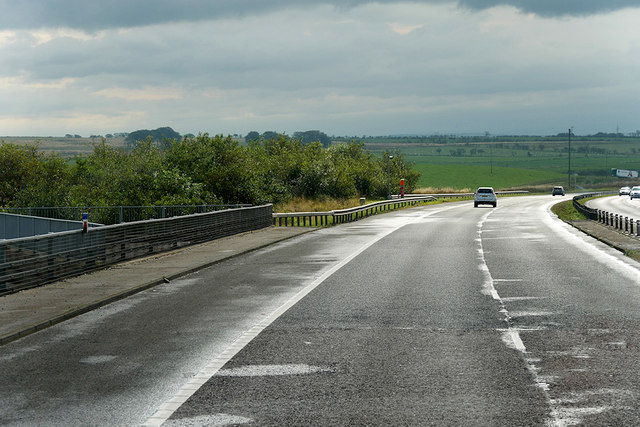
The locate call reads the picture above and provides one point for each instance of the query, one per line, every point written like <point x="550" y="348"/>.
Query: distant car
<point x="485" y="196"/>
<point x="634" y="193"/>
<point x="624" y="191"/>
<point x="557" y="190"/>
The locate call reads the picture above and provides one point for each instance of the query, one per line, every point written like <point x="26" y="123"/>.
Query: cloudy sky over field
<point x="343" y="67"/>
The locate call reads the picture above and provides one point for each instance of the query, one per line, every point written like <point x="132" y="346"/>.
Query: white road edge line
<point x="165" y="410"/>
<point x="622" y="264"/>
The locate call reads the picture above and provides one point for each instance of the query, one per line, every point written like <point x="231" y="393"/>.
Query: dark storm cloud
<point x="555" y="7"/>
<point x="94" y="15"/>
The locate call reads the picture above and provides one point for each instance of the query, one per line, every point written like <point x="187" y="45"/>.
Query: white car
<point x="624" y="191"/>
<point x="635" y="193"/>
<point x="486" y="196"/>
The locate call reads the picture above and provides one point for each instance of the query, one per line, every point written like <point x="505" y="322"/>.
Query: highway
<point x="438" y="315"/>
<point x="621" y="205"/>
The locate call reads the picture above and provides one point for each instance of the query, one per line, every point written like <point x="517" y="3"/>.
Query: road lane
<point x="621" y="205"/>
<point x="576" y="309"/>
<point x="402" y="335"/>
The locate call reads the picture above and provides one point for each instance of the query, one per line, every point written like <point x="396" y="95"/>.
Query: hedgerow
<point x="199" y="170"/>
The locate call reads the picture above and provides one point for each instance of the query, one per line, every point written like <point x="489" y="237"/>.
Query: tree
<point x="220" y="164"/>
<point x="269" y="135"/>
<point x="252" y="136"/>
<point x="29" y="178"/>
<point x="161" y="136"/>
<point x="310" y="136"/>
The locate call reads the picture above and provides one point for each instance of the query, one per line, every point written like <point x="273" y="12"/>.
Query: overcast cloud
<point x="346" y="68"/>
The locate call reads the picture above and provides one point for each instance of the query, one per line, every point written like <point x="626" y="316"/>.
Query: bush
<point x="199" y="170"/>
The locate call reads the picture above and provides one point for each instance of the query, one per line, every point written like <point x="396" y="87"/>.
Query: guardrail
<point x="590" y="213"/>
<point x="14" y="226"/>
<point x="118" y="214"/>
<point x="620" y="223"/>
<point x="34" y="261"/>
<point x="316" y="219"/>
<point x="302" y="219"/>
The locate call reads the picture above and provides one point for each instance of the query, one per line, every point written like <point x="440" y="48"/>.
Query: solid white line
<point x="168" y="408"/>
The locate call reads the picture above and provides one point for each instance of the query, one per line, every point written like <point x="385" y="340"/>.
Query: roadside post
<point x="85" y="222"/>
<point x="402" y="188"/>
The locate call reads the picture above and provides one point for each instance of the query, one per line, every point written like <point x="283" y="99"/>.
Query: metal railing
<point x="317" y="219"/>
<point x="118" y="214"/>
<point x="14" y="226"/>
<point x="311" y="219"/>
<point x="590" y="213"/>
<point x="620" y="223"/>
<point x="34" y="261"/>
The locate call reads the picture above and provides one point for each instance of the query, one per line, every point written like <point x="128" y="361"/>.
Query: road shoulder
<point x="31" y="310"/>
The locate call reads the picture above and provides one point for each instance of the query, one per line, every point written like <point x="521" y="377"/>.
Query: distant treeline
<point x="198" y="170"/>
<point x="457" y="139"/>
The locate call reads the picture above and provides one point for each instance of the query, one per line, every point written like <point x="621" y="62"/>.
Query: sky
<point x="346" y="68"/>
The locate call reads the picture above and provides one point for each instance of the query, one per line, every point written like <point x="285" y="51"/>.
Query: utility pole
<point x="388" y="176"/>
<point x="491" y="155"/>
<point x="569" y="170"/>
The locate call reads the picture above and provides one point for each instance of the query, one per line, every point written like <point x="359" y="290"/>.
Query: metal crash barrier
<point x="34" y="261"/>
<point x="315" y="219"/>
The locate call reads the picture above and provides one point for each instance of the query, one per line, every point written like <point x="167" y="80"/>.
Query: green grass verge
<point x="567" y="212"/>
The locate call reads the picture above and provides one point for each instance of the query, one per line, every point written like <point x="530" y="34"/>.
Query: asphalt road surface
<point x="621" y="205"/>
<point x="439" y="315"/>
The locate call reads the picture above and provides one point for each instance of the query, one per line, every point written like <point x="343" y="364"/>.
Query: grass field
<point x="511" y="164"/>
<point x="468" y="177"/>
<point x="64" y="147"/>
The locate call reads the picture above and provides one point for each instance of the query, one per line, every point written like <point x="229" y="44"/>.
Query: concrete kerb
<point x="28" y="328"/>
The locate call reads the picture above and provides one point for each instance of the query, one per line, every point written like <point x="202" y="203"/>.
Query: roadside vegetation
<point x="199" y="170"/>
<point x="295" y="173"/>
<point x="567" y="212"/>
